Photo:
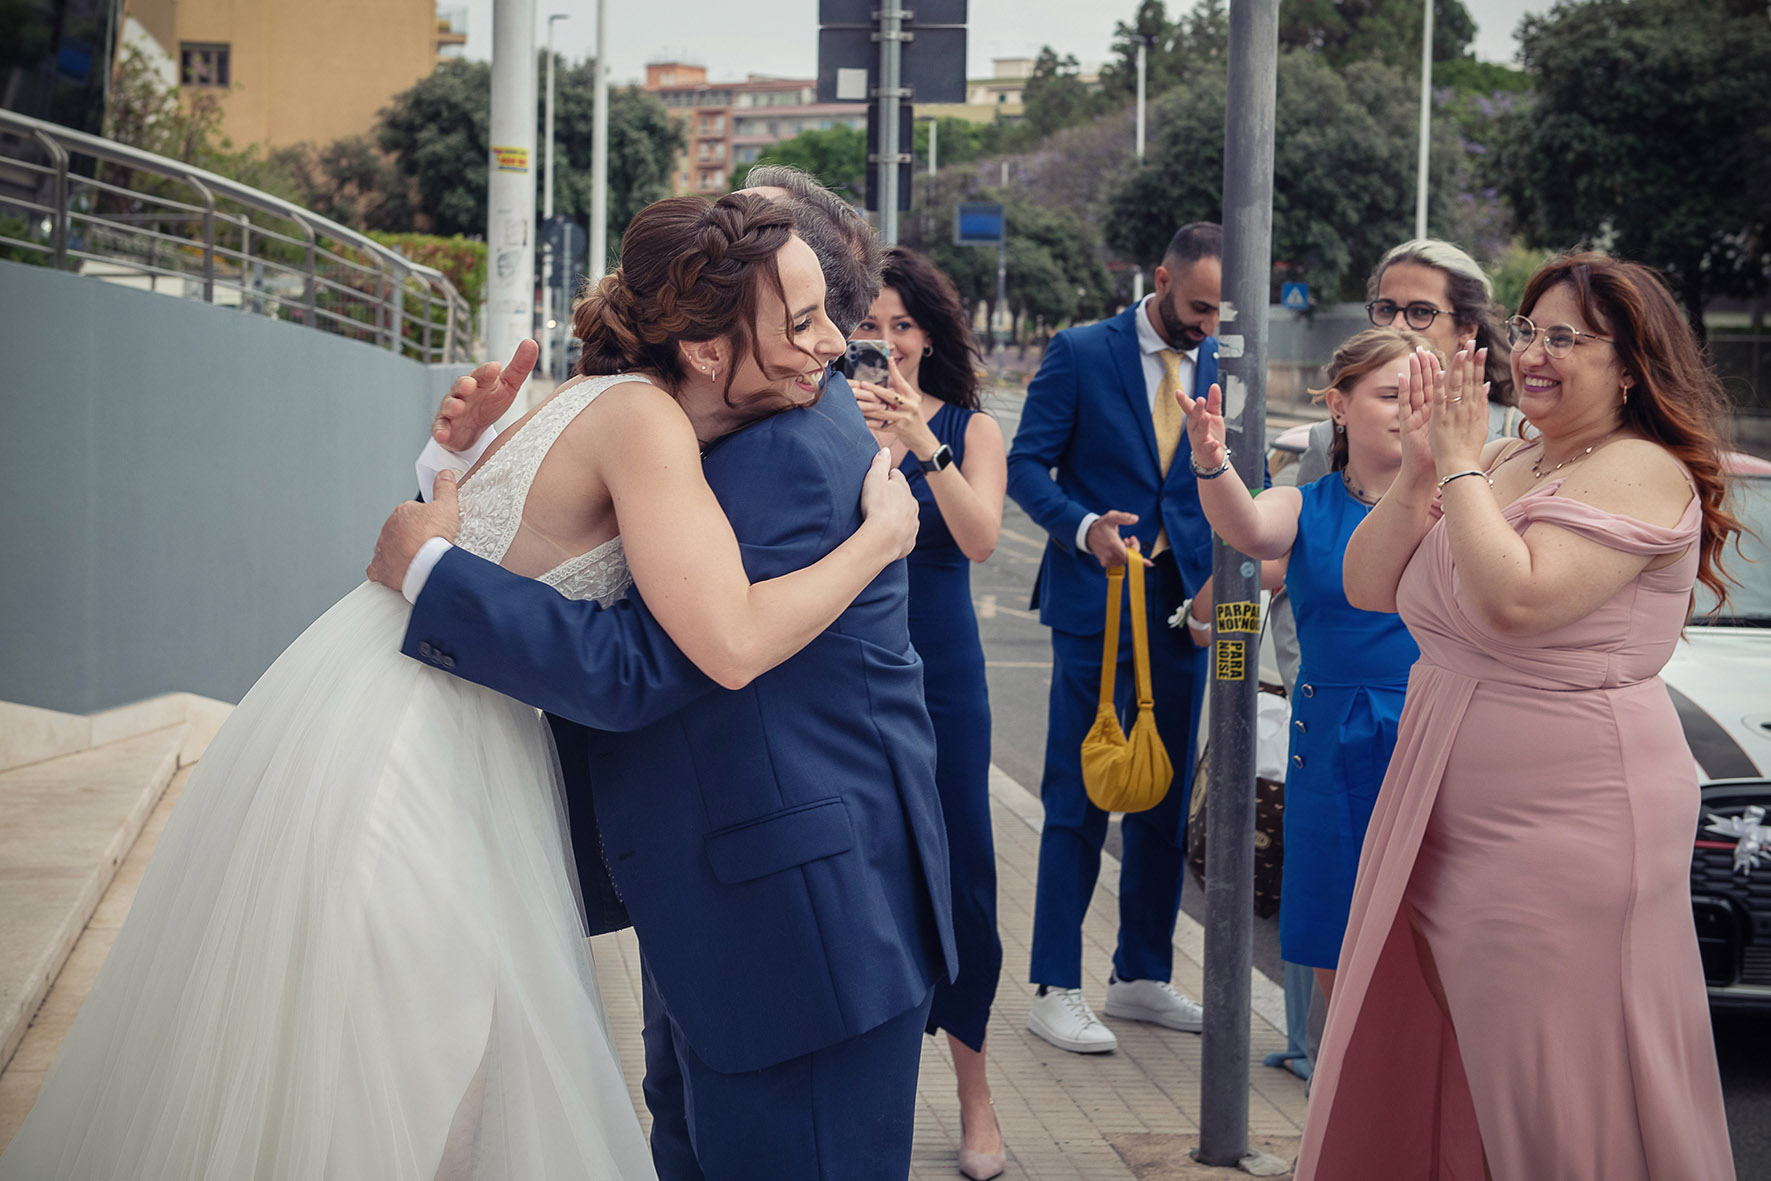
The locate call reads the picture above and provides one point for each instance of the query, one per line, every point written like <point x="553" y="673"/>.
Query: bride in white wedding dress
<point x="357" y="953"/>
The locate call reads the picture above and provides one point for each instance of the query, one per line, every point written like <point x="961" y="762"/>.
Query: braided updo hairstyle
<point x="690" y="271"/>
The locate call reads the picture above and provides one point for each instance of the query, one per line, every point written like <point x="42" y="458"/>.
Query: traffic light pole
<point x="1235" y="654"/>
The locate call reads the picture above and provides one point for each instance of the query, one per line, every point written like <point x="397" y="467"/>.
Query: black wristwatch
<point x="939" y="461"/>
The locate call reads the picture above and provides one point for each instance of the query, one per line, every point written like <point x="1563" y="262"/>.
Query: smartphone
<point x="866" y="361"/>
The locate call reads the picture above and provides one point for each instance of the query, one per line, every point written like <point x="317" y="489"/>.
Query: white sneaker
<point x="1063" y="1018"/>
<point x="1155" y="1001"/>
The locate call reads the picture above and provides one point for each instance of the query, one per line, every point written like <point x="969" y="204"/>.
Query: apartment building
<point x="289" y="71"/>
<point x="729" y="124"/>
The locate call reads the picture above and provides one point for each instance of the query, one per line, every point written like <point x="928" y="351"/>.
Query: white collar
<point x="1149" y="341"/>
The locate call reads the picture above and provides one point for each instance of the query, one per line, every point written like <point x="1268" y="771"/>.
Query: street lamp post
<point x="1426" y="119"/>
<point x="510" y="189"/>
<point x="599" y="153"/>
<point x="547" y="311"/>
<point x="1144" y="42"/>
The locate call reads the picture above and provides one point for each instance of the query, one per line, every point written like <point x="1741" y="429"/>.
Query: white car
<point x="1720" y="681"/>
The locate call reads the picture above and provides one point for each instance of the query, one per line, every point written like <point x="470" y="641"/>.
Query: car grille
<point x="1743" y="956"/>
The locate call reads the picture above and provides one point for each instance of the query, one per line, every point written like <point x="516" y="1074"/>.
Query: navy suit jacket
<point x="1087" y="416"/>
<point x="780" y="847"/>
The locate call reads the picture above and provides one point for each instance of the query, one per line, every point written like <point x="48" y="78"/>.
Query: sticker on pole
<point x="510" y="159"/>
<point x="1239" y="617"/>
<point x="1232" y="660"/>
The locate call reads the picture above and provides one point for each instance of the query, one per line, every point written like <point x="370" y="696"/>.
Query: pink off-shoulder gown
<point x="1537" y="822"/>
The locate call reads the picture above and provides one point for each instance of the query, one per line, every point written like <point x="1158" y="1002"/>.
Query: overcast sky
<point x="780" y="36"/>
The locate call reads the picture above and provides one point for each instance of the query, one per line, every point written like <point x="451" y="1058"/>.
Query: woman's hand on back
<point x="887" y="504"/>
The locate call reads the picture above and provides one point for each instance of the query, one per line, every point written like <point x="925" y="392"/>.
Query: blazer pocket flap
<point x="779" y="841"/>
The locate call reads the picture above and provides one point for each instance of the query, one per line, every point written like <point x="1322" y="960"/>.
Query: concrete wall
<point x="183" y="488"/>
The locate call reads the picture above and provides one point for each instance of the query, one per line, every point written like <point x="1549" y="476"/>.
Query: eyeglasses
<point x="1419" y="314"/>
<point x="1558" y="339"/>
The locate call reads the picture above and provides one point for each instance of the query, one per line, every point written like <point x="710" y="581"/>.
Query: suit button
<point x="1299" y="723"/>
<point x="1308" y="690"/>
<point x="1297" y="760"/>
<point x="425" y="650"/>
<point x="447" y="662"/>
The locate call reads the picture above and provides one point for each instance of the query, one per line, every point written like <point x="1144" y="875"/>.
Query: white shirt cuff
<point x="1082" y="531"/>
<point x="435" y="457"/>
<point x="423" y="562"/>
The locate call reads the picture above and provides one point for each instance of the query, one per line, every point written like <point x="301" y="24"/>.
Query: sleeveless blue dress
<point x="1348" y="700"/>
<point x="944" y="629"/>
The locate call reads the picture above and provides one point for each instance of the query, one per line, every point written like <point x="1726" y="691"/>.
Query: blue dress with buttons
<point x="944" y="629"/>
<point x="1350" y="684"/>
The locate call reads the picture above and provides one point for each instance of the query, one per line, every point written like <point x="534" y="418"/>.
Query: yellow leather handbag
<point x="1125" y="773"/>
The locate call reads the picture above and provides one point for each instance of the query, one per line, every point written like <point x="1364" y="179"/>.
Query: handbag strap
<point x="1140" y="637"/>
<point x="1110" y="653"/>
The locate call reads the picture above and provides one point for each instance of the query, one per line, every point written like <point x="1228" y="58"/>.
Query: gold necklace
<point x="1537" y="473"/>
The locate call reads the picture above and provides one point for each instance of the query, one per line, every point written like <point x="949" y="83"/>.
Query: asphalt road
<point x="1017" y="657"/>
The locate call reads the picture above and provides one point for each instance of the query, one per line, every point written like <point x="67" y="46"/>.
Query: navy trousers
<point x="846" y="1111"/>
<point x="1154" y="860"/>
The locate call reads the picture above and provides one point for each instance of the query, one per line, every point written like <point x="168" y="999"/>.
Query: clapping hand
<point x="1416" y="383"/>
<point x="1205" y="427"/>
<point x="1458" y="426"/>
<point x="887" y="503"/>
<point x="478" y="400"/>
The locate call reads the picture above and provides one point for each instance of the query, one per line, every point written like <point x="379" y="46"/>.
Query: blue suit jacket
<point x="1087" y="416"/>
<point x="780" y="847"/>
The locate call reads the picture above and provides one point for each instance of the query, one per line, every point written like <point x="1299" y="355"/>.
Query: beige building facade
<point x="294" y="71"/>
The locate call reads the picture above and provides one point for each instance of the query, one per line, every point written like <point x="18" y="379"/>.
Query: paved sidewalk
<point x="1132" y="1114"/>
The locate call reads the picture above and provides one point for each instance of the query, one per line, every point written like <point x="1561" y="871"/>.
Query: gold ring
<point x="1459" y="398"/>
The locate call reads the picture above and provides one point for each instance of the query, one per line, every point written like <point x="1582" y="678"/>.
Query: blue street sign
<point x="1295" y="296"/>
<point x="977" y="223"/>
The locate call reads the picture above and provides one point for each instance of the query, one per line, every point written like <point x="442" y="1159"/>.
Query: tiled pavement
<point x="1131" y="1114"/>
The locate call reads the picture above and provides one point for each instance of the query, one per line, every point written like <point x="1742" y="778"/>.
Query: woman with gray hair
<point x="1436" y="289"/>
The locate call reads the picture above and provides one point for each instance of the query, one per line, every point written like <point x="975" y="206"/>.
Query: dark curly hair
<point x="1677" y="399"/>
<point x="690" y="271"/>
<point x="950" y="371"/>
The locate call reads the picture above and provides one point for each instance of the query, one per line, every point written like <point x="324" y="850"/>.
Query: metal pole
<point x="1229" y="869"/>
<point x="934" y="127"/>
<point x="510" y="189"/>
<point x="547" y="214"/>
<point x="599" y="155"/>
<point x="1426" y="119"/>
<point x="891" y="24"/>
<point x="1137" y="280"/>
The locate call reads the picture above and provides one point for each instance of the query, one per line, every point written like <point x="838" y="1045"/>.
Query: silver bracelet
<point x="1215" y="472"/>
<point x="1466" y="472"/>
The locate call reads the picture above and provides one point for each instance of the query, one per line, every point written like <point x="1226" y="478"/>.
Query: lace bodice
<point x="492" y="501"/>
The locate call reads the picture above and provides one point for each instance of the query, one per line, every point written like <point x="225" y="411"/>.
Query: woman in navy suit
<point x="929" y="413"/>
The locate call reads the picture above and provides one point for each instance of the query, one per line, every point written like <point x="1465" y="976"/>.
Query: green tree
<point x="1178" y="49"/>
<point x="1055" y="96"/>
<point x="350" y="181"/>
<point x="1346" y="31"/>
<point x="1343" y="168"/>
<point x="1651" y="137"/>
<point x="437" y="134"/>
<point x="837" y="157"/>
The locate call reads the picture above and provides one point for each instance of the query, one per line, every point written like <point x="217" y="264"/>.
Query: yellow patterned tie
<point x="1169" y="422"/>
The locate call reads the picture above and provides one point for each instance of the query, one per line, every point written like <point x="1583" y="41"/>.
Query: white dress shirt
<point x="1150" y="346"/>
<point x="433" y="459"/>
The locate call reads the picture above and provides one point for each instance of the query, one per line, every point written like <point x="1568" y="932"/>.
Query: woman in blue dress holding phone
<point x="926" y="407"/>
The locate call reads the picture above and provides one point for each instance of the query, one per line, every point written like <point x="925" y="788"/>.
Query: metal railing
<point x="158" y="223"/>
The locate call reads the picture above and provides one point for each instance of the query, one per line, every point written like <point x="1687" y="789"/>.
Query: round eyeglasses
<point x="1558" y="339"/>
<point x="1419" y="315"/>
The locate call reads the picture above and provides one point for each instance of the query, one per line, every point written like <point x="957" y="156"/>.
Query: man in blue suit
<point x="780" y="848"/>
<point x="1099" y="458"/>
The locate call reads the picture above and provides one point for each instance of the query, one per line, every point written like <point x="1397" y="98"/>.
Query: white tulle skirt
<point x="356" y="952"/>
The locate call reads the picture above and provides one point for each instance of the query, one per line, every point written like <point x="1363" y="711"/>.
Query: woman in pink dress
<point x="1519" y="995"/>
